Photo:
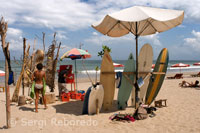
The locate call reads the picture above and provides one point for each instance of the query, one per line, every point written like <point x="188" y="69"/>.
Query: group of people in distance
<point x="39" y="77"/>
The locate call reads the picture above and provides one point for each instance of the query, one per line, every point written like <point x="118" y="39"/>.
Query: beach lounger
<point x="196" y="75"/>
<point x="177" y="76"/>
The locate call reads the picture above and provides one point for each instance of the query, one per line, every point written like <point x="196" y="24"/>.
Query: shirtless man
<point x="38" y="76"/>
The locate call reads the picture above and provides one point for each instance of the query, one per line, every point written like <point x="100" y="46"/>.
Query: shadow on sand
<point x="76" y="107"/>
<point x="3" y="127"/>
<point x="71" y="107"/>
<point x="23" y="108"/>
<point x="112" y="109"/>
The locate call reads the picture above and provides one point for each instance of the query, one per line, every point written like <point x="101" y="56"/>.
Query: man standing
<point x="62" y="76"/>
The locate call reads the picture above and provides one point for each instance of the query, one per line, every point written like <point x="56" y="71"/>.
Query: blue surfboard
<point x="85" y="103"/>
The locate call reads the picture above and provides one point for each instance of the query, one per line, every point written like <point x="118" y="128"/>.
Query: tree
<point x="5" y="47"/>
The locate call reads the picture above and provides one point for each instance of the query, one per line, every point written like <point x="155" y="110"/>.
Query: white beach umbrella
<point x="139" y="21"/>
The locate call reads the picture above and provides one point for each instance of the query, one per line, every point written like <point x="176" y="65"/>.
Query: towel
<point x="118" y="79"/>
<point x="32" y="95"/>
<point x="11" y="78"/>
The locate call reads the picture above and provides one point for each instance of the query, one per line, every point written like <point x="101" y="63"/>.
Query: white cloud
<point x="61" y="35"/>
<point x="193" y="42"/>
<point x="153" y="39"/>
<point x="102" y="39"/>
<point x="48" y="13"/>
<point x="94" y="33"/>
<point x="14" y="37"/>
<point x="76" y="14"/>
<point x="189" y="49"/>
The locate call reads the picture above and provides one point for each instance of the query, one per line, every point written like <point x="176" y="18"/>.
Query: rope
<point x="87" y="72"/>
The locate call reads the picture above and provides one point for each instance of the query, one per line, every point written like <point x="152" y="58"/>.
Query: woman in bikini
<point x="38" y="76"/>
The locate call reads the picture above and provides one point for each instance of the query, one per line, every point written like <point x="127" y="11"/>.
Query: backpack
<point x="140" y="113"/>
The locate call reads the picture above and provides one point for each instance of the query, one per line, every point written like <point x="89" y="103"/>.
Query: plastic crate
<point x="82" y="97"/>
<point x="65" y="97"/>
<point x="76" y="96"/>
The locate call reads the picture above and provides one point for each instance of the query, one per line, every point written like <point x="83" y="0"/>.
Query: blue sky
<point x="72" y="20"/>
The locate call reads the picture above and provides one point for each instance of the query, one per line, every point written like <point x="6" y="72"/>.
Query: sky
<point x="72" y="20"/>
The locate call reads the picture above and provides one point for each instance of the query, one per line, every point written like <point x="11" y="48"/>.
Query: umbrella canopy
<point x="197" y="64"/>
<point x="2" y="73"/>
<point x="139" y="21"/>
<point x="118" y="65"/>
<point x="153" y="65"/>
<point x="180" y="65"/>
<point x="76" y="54"/>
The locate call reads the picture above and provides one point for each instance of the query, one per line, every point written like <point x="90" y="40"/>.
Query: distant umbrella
<point x="2" y="73"/>
<point x="180" y="65"/>
<point x="118" y="65"/>
<point x="153" y="65"/>
<point x="197" y="64"/>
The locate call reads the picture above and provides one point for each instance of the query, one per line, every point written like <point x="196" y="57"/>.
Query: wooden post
<point x="17" y="88"/>
<point x="3" y="30"/>
<point x="24" y="52"/>
<point x="97" y="107"/>
<point x="43" y="41"/>
<point x="50" y="65"/>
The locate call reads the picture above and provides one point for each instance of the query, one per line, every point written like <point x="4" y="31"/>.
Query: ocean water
<point x="89" y="66"/>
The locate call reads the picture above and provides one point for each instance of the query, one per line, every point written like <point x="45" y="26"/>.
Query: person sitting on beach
<point x="62" y="75"/>
<point x="187" y="84"/>
<point x="38" y="76"/>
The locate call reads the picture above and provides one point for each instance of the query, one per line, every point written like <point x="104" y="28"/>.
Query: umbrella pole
<point x="76" y="76"/>
<point x="136" y="85"/>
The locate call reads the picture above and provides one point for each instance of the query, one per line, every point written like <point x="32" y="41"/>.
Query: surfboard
<point x="157" y="79"/>
<point x="85" y="103"/>
<point x="126" y="83"/>
<point x="96" y="93"/>
<point x="144" y="65"/>
<point x="107" y="80"/>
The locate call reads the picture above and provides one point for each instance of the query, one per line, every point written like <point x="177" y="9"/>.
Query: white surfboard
<point x="107" y="79"/>
<point x="95" y="94"/>
<point x="144" y="65"/>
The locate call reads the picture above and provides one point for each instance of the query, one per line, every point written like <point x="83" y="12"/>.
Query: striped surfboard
<point x="156" y="80"/>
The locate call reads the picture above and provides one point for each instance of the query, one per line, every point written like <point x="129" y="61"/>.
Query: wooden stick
<point x="17" y="88"/>
<point x="97" y="107"/>
<point x="43" y="41"/>
<point x="24" y="48"/>
<point x="3" y="30"/>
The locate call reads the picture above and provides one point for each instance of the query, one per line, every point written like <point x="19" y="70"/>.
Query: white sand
<point x="182" y="114"/>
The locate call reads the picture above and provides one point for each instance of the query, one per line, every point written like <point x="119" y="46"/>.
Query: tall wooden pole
<point x="3" y="30"/>
<point x="24" y="52"/>
<point x="43" y="41"/>
<point x="137" y="89"/>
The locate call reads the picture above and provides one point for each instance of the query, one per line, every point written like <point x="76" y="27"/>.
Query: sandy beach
<point x="182" y="114"/>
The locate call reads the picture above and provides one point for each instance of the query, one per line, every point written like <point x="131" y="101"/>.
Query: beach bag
<point x="140" y="113"/>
